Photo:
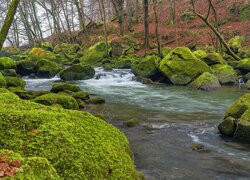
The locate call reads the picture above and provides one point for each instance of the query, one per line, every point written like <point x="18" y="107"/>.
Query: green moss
<point x="81" y="95"/>
<point x="25" y="68"/>
<point x="243" y="127"/>
<point x="206" y="81"/>
<point x="47" y="46"/>
<point x="30" y="167"/>
<point x="200" y="54"/>
<point x="97" y="100"/>
<point x="228" y="126"/>
<point x="95" y="53"/>
<point x="235" y="43"/>
<point x="69" y="49"/>
<point x="132" y="122"/>
<point x="165" y="51"/>
<point x="77" y="144"/>
<point x="78" y="72"/>
<point x="225" y="73"/>
<point x="245" y="11"/>
<point x="80" y="103"/>
<point x="39" y="53"/>
<point x="14" y="82"/>
<point x="213" y="58"/>
<point x="3" y="90"/>
<point x="9" y="51"/>
<point x="65" y="101"/>
<point x="56" y="88"/>
<point x="9" y="72"/>
<point x="2" y="81"/>
<point x="181" y="66"/>
<point x="7" y="63"/>
<point x="26" y="94"/>
<point x="46" y="68"/>
<point x="244" y="65"/>
<point x="108" y="67"/>
<point x="145" y="67"/>
<point x="124" y="62"/>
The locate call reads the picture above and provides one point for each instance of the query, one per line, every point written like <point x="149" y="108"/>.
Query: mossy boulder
<point x="132" y="122"/>
<point x="7" y="63"/>
<point x="237" y="119"/>
<point x="56" y="88"/>
<point x="145" y="67"/>
<point x="10" y="51"/>
<point x="39" y="53"/>
<point x="46" y="69"/>
<point x="213" y="58"/>
<point x="2" y="81"/>
<point x="235" y="43"/>
<point x="65" y="101"/>
<point x="81" y="95"/>
<point x="165" y="51"/>
<point x="206" y="81"/>
<point x="77" y="144"/>
<point x="181" y="66"/>
<point x="122" y="46"/>
<point x="26" y="168"/>
<point x="124" y="62"/>
<point x="14" y="82"/>
<point x="95" y="54"/>
<point x="97" y="100"/>
<point x="77" y="72"/>
<point x="9" y="72"/>
<point x="67" y="48"/>
<point x="47" y="46"/>
<point x="225" y="73"/>
<point x="244" y="65"/>
<point x="26" y="94"/>
<point x="200" y="54"/>
<point x="26" y="67"/>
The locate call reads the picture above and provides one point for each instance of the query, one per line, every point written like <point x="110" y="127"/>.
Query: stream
<point x="172" y="119"/>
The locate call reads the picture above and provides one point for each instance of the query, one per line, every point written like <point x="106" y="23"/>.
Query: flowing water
<point x="172" y="119"/>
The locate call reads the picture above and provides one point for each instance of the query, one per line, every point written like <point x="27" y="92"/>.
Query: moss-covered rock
<point x="132" y="122"/>
<point x="200" y="54"/>
<point x="2" y="81"/>
<point x="26" y="94"/>
<point x="181" y="66"/>
<point x="7" y="63"/>
<point x="237" y="119"/>
<point x="14" y="82"/>
<point x="108" y="67"/>
<point x="78" y="72"/>
<point x="97" y="100"/>
<point x="244" y="52"/>
<point x="10" y="51"/>
<point x="244" y="65"/>
<point x="247" y="85"/>
<point x="145" y="67"/>
<point x="9" y="72"/>
<point x="25" y="68"/>
<point x="95" y="54"/>
<point x="67" y="48"/>
<point x="235" y="43"/>
<point x="213" y="58"/>
<point x="39" y="53"/>
<point x="28" y="167"/>
<point x="56" y="88"/>
<point x="81" y="95"/>
<point x="47" y="46"/>
<point x="165" y="51"/>
<point x="206" y="81"/>
<point x="225" y="73"/>
<point x="124" y="62"/>
<point x="122" y="45"/>
<point x="46" y="69"/>
<point x="65" y="101"/>
<point x="77" y="144"/>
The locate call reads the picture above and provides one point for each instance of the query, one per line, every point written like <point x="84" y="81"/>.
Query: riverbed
<point x="172" y="119"/>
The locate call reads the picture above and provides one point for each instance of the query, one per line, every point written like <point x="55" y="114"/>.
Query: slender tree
<point x="146" y="25"/>
<point x="8" y="21"/>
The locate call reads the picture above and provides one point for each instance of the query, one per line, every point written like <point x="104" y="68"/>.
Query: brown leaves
<point x="8" y="168"/>
<point x="33" y="132"/>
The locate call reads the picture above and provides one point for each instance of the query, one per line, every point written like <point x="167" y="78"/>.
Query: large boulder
<point x="181" y="66"/>
<point x="65" y="101"/>
<point x="7" y="63"/>
<point x="145" y="67"/>
<point x="26" y="67"/>
<point x="46" y="69"/>
<point x="77" y="144"/>
<point x="39" y="53"/>
<point x="95" y="54"/>
<point x="225" y="73"/>
<point x="206" y="81"/>
<point x="77" y="72"/>
<point x="237" y="119"/>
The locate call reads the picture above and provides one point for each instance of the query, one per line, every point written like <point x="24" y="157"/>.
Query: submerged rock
<point x="132" y="122"/>
<point x="225" y="73"/>
<point x="77" y="72"/>
<point x="237" y="119"/>
<point x="181" y="66"/>
<point x="97" y="100"/>
<point x="206" y="81"/>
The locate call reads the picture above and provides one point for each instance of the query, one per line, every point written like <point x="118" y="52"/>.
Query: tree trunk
<point x="156" y="28"/>
<point x="146" y="26"/>
<point x="8" y="21"/>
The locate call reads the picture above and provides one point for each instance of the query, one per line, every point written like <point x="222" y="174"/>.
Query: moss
<point x="56" y="88"/>
<point x="235" y="43"/>
<point x="213" y="58"/>
<point x="95" y="53"/>
<point x="200" y="54"/>
<point x="7" y="63"/>
<point x="46" y="68"/>
<point x="244" y="52"/>
<point x="132" y="122"/>
<point x="145" y="67"/>
<point x="9" y="51"/>
<point x="2" y="81"/>
<point x="80" y="103"/>
<point x="108" y="67"/>
<point x="228" y="126"/>
<point x="3" y="90"/>
<point x="39" y="53"/>
<point x="25" y="68"/>
<point x="245" y="11"/>
<point x="29" y="167"/>
<point x="244" y="65"/>
<point x="14" y="82"/>
<point x="65" y="101"/>
<point x="225" y="73"/>
<point x="124" y="62"/>
<point x="206" y="81"/>
<point x="97" y="100"/>
<point x="26" y="94"/>
<point x="243" y="127"/>
<point x="181" y="66"/>
<point x="77" y="72"/>
<point x="165" y="51"/>
<point x="9" y="72"/>
<point x="69" y="49"/>
<point x="81" y="95"/>
<point x="47" y="46"/>
<point x="77" y="144"/>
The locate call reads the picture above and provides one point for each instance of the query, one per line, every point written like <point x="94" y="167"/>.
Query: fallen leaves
<point x="8" y="168"/>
